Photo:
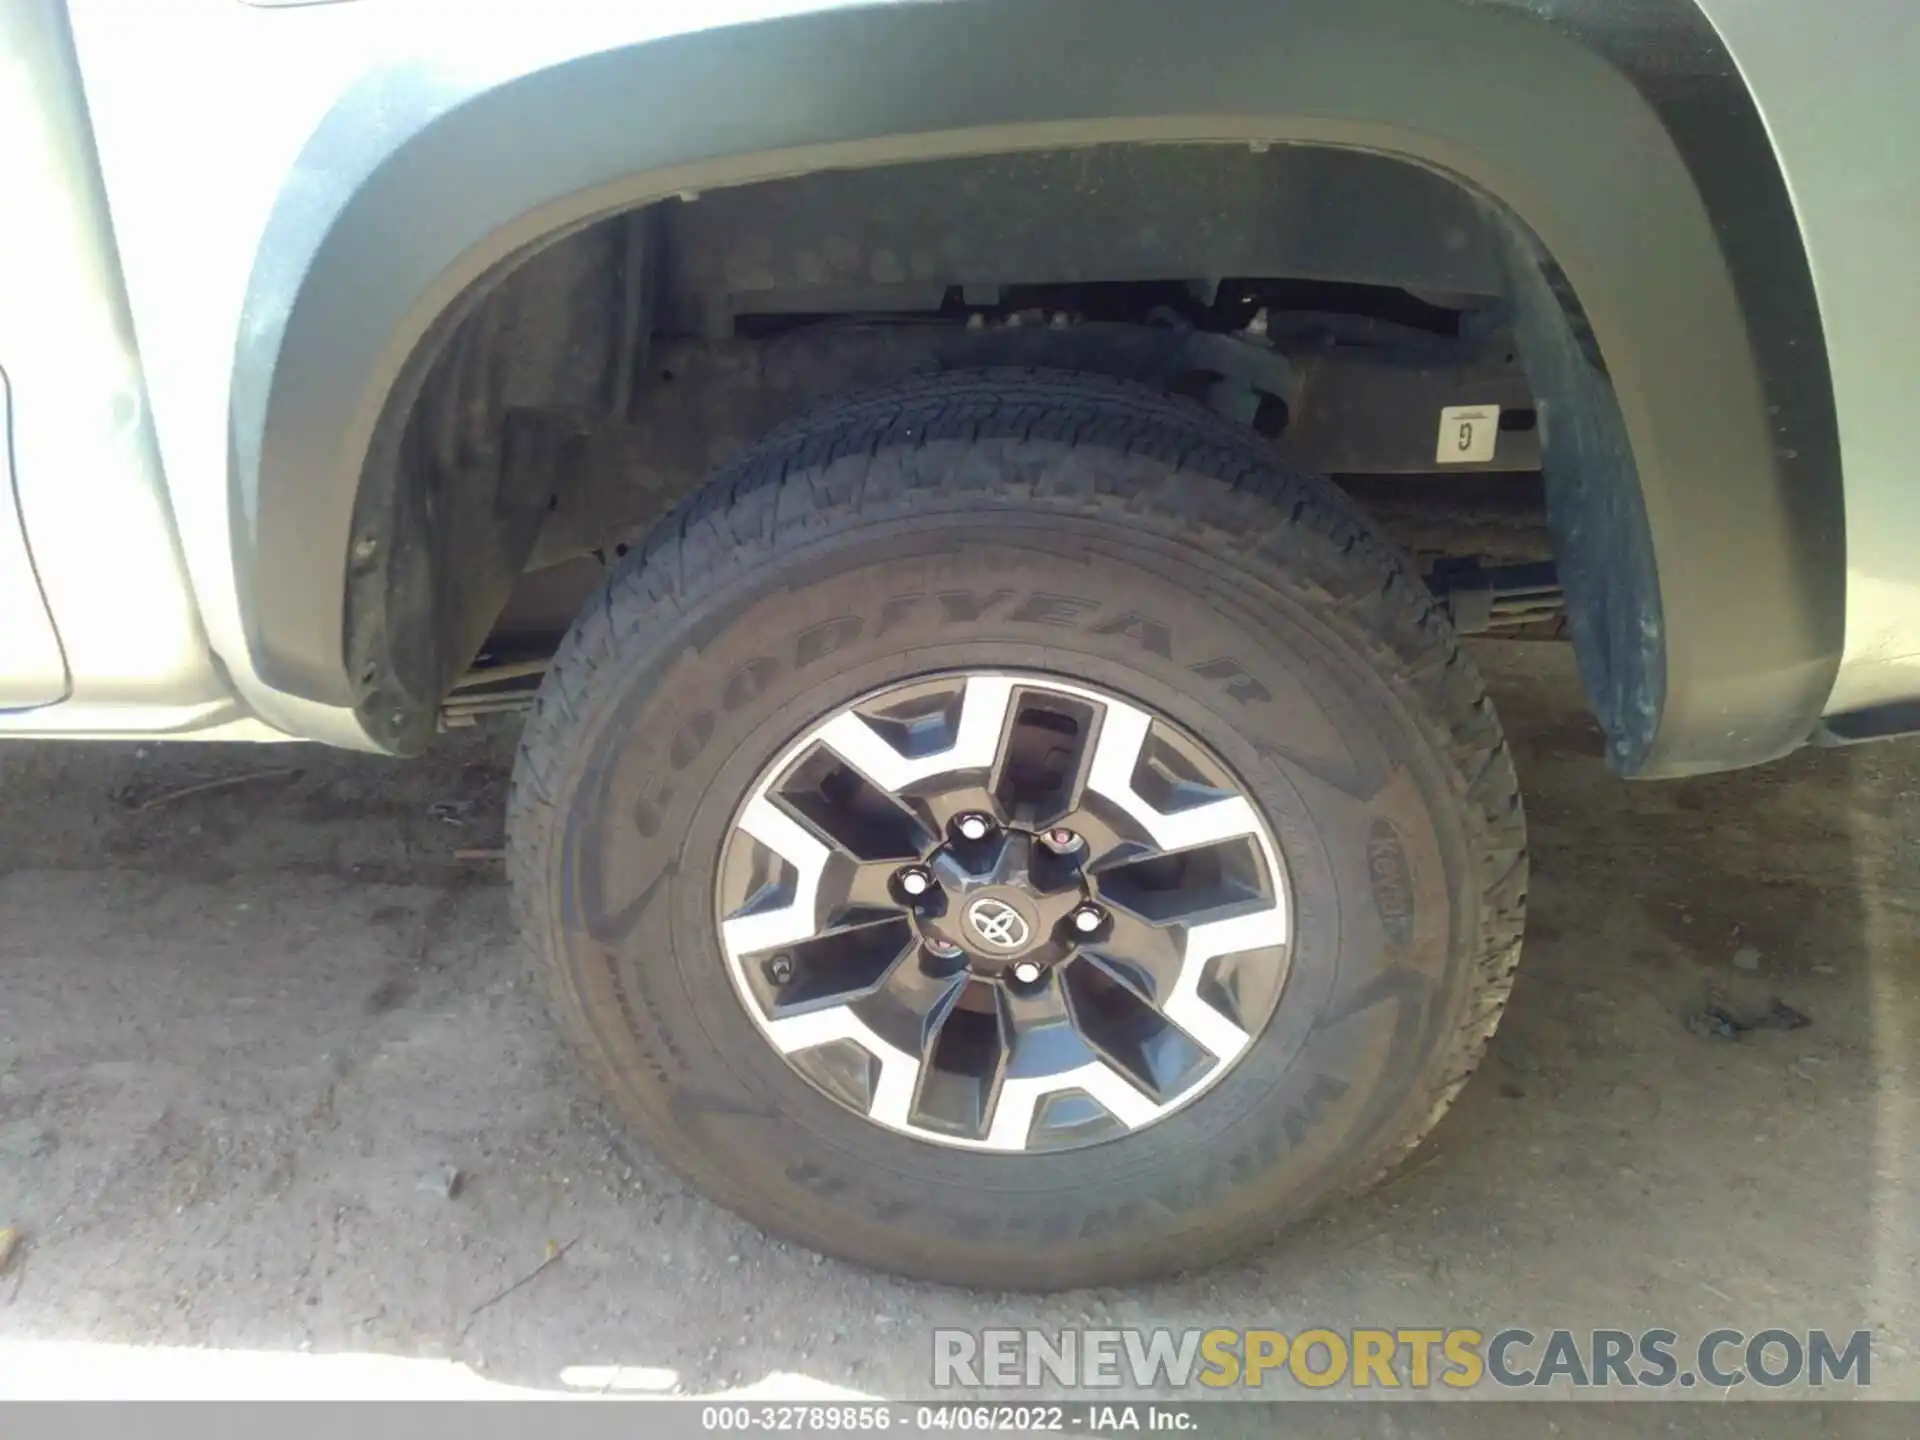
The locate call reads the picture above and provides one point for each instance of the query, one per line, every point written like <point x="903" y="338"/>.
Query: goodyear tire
<point x="1010" y="830"/>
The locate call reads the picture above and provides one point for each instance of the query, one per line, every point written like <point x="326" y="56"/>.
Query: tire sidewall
<point x="1356" y="797"/>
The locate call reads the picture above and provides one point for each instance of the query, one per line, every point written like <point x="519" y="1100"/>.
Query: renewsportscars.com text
<point x="1398" y="1358"/>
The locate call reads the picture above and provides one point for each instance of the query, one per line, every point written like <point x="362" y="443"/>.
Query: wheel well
<point x="1335" y="300"/>
<point x="1644" y="169"/>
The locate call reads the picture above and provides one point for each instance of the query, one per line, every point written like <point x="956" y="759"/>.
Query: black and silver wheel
<point x="1009" y="830"/>
<point x="1004" y="911"/>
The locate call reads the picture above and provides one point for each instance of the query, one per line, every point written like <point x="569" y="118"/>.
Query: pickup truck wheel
<point x="1010" y="830"/>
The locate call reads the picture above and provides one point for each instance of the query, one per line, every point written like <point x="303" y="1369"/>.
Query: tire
<point x="1090" y="530"/>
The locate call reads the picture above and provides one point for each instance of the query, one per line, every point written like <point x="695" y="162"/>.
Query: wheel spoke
<point x="936" y="785"/>
<point x="1191" y="887"/>
<point x="1146" y="958"/>
<point x="1164" y="965"/>
<point x="976" y="742"/>
<point x="849" y="811"/>
<point x="1111" y="835"/>
<point x="853" y="887"/>
<point x="1133" y="1035"/>
<point x="829" y="889"/>
<point x="799" y="918"/>
<point x="1119" y="823"/>
<point x="1123" y="732"/>
<point x="1044" y="761"/>
<point x="835" y="967"/>
<point x="1018" y="1103"/>
<point x="1042" y="1039"/>
<point x="910" y="1002"/>
<point x="896" y="1022"/>
<point x="966" y="1056"/>
<point x="1186" y="1007"/>
<point x="892" y="1094"/>
<point x="1104" y="1021"/>
<point x="1047" y="1055"/>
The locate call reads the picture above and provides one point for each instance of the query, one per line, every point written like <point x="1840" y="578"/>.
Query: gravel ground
<point x="271" y="1082"/>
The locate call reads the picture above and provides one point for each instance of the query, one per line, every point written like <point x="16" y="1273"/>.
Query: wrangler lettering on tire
<point x="1009" y="829"/>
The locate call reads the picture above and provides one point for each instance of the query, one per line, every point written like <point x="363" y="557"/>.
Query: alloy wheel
<point x="1004" y="912"/>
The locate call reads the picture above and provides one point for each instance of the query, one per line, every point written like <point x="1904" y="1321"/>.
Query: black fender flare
<point x="1628" y="146"/>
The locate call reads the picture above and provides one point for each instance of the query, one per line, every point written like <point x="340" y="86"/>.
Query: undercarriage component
<point x="1340" y="400"/>
<point x="1506" y="601"/>
<point x="1500" y="598"/>
<point x="876" y="241"/>
<point x="492" y="688"/>
<point x="1368" y="411"/>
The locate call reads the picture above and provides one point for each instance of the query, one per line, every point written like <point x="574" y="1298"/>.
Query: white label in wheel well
<point x="1468" y="434"/>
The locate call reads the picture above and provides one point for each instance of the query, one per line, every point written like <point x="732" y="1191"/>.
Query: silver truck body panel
<point x="85" y="469"/>
<point x="123" y="483"/>
<point x="1834" y="82"/>
<point x="187" y="234"/>
<point x="33" y="672"/>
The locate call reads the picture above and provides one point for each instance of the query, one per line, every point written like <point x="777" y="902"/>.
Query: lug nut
<point x="1087" y="919"/>
<point x="943" y="949"/>
<point x="973" y="827"/>
<point x="915" y="882"/>
<point x="1062" y="841"/>
<point x="1026" y="972"/>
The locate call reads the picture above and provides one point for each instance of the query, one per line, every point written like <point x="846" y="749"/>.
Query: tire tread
<point x="791" y="483"/>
